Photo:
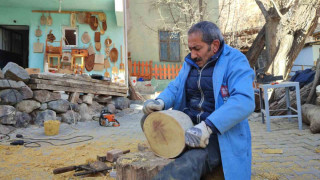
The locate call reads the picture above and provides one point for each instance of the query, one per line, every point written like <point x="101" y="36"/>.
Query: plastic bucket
<point x="51" y="127"/>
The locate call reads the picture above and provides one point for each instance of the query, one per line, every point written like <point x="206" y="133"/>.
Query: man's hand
<point x="152" y="105"/>
<point x="198" y="136"/>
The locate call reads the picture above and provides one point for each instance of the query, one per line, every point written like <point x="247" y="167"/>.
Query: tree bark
<point x="139" y="166"/>
<point x="256" y="48"/>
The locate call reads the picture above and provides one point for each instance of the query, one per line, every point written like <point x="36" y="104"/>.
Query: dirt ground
<point x="18" y="162"/>
<point x="299" y="159"/>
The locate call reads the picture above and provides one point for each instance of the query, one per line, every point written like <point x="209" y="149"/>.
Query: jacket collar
<point x="215" y="57"/>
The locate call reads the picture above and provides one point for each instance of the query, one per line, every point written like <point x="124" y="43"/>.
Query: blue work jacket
<point x="234" y="102"/>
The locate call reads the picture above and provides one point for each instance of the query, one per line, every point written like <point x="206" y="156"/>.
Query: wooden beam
<point x="74" y="89"/>
<point x="75" y="85"/>
<point x="65" y="12"/>
<point x="80" y="79"/>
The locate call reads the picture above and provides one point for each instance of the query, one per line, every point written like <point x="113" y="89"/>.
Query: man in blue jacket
<point x="214" y="88"/>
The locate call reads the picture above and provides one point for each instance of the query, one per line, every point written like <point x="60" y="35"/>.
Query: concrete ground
<point x="283" y="153"/>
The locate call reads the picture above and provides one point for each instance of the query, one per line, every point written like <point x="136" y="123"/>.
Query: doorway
<point x="14" y="45"/>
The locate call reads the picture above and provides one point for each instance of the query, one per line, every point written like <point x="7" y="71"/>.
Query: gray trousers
<point x="193" y="163"/>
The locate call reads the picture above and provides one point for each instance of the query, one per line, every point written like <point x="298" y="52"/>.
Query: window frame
<point x="64" y="45"/>
<point x="168" y="46"/>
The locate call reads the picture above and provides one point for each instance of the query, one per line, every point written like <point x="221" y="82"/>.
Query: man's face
<point x="201" y="52"/>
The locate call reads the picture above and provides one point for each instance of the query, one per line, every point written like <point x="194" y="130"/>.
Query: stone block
<point x="74" y="97"/>
<point x="60" y="106"/>
<point x="26" y="92"/>
<point x="45" y="116"/>
<point x="70" y="117"/>
<point x="7" y="115"/>
<point x="22" y="120"/>
<point x="10" y="97"/>
<point x="111" y="108"/>
<point x="87" y="99"/>
<point x="45" y="96"/>
<point x="95" y="109"/>
<point x="6" y="129"/>
<point x="10" y="84"/>
<point x="27" y="106"/>
<point x="84" y="113"/>
<point x="121" y="102"/>
<point x="15" y="72"/>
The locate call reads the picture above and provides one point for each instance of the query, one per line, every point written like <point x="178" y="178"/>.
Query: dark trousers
<point x="194" y="163"/>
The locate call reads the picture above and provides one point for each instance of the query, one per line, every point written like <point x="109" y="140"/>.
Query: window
<point x="169" y="46"/>
<point x="70" y="37"/>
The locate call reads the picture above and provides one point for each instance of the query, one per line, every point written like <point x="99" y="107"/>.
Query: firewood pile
<point x="310" y="102"/>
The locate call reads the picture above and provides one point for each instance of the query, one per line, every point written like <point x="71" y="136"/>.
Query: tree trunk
<point x="257" y="47"/>
<point x="272" y="23"/>
<point x="287" y="28"/>
<point x="139" y="166"/>
<point x="165" y="131"/>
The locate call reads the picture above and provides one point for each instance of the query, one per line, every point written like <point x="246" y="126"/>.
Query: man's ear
<point x="215" y="45"/>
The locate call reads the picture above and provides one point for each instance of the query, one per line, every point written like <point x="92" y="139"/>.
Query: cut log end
<point x="165" y="132"/>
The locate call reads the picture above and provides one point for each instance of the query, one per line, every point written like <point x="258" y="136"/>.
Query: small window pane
<point x="174" y="51"/>
<point x="164" y="51"/>
<point x="164" y="35"/>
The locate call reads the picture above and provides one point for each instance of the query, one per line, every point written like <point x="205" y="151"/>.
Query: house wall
<point x="305" y="57"/>
<point x="143" y="25"/>
<point x="316" y="54"/>
<point x="24" y="16"/>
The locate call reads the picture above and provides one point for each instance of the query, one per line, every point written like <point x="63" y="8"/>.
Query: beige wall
<point x="143" y="25"/>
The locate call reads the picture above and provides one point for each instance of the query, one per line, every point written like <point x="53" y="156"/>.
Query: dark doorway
<point x="14" y="45"/>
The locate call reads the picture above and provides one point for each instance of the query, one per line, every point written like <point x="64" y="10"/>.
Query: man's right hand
<point x="152" y="105"/>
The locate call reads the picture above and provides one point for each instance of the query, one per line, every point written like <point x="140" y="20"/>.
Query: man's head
<point x="204" y="41"/>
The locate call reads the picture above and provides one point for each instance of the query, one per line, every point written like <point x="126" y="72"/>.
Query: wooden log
<point x="281" y="104"/>
<point x="139" y="166"/>
<point x="165" y="132"/>
<point x="310" y="115"/>
<point x="145" y="165"/>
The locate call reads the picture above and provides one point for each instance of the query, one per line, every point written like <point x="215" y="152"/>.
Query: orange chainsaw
<point x="107" y="119"/>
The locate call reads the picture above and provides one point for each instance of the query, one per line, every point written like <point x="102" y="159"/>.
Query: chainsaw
<point x="107" y="119"/>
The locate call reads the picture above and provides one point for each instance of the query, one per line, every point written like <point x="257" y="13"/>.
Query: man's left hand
<point x="198" y="136"/>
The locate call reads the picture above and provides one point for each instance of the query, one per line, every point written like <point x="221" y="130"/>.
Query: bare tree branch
<point x="277" y="9"/>
<point x="262" y="8"/>
<point x="289" y="4"/>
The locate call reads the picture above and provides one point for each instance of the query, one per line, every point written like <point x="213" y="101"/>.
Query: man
<point x="214" y="88"/>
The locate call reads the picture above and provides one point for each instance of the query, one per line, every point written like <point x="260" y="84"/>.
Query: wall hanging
<point x="43" y="20"/>
<point x="85" y="38"/>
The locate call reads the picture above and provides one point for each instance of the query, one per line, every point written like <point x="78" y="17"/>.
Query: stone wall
<point x="21" y="107"/>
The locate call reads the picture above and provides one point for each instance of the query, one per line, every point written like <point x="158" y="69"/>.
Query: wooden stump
<point x="139" y="166"/>
<point x="165" y="132"/>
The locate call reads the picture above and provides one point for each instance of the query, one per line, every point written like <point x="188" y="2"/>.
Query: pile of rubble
<point x="20" y="106"/>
